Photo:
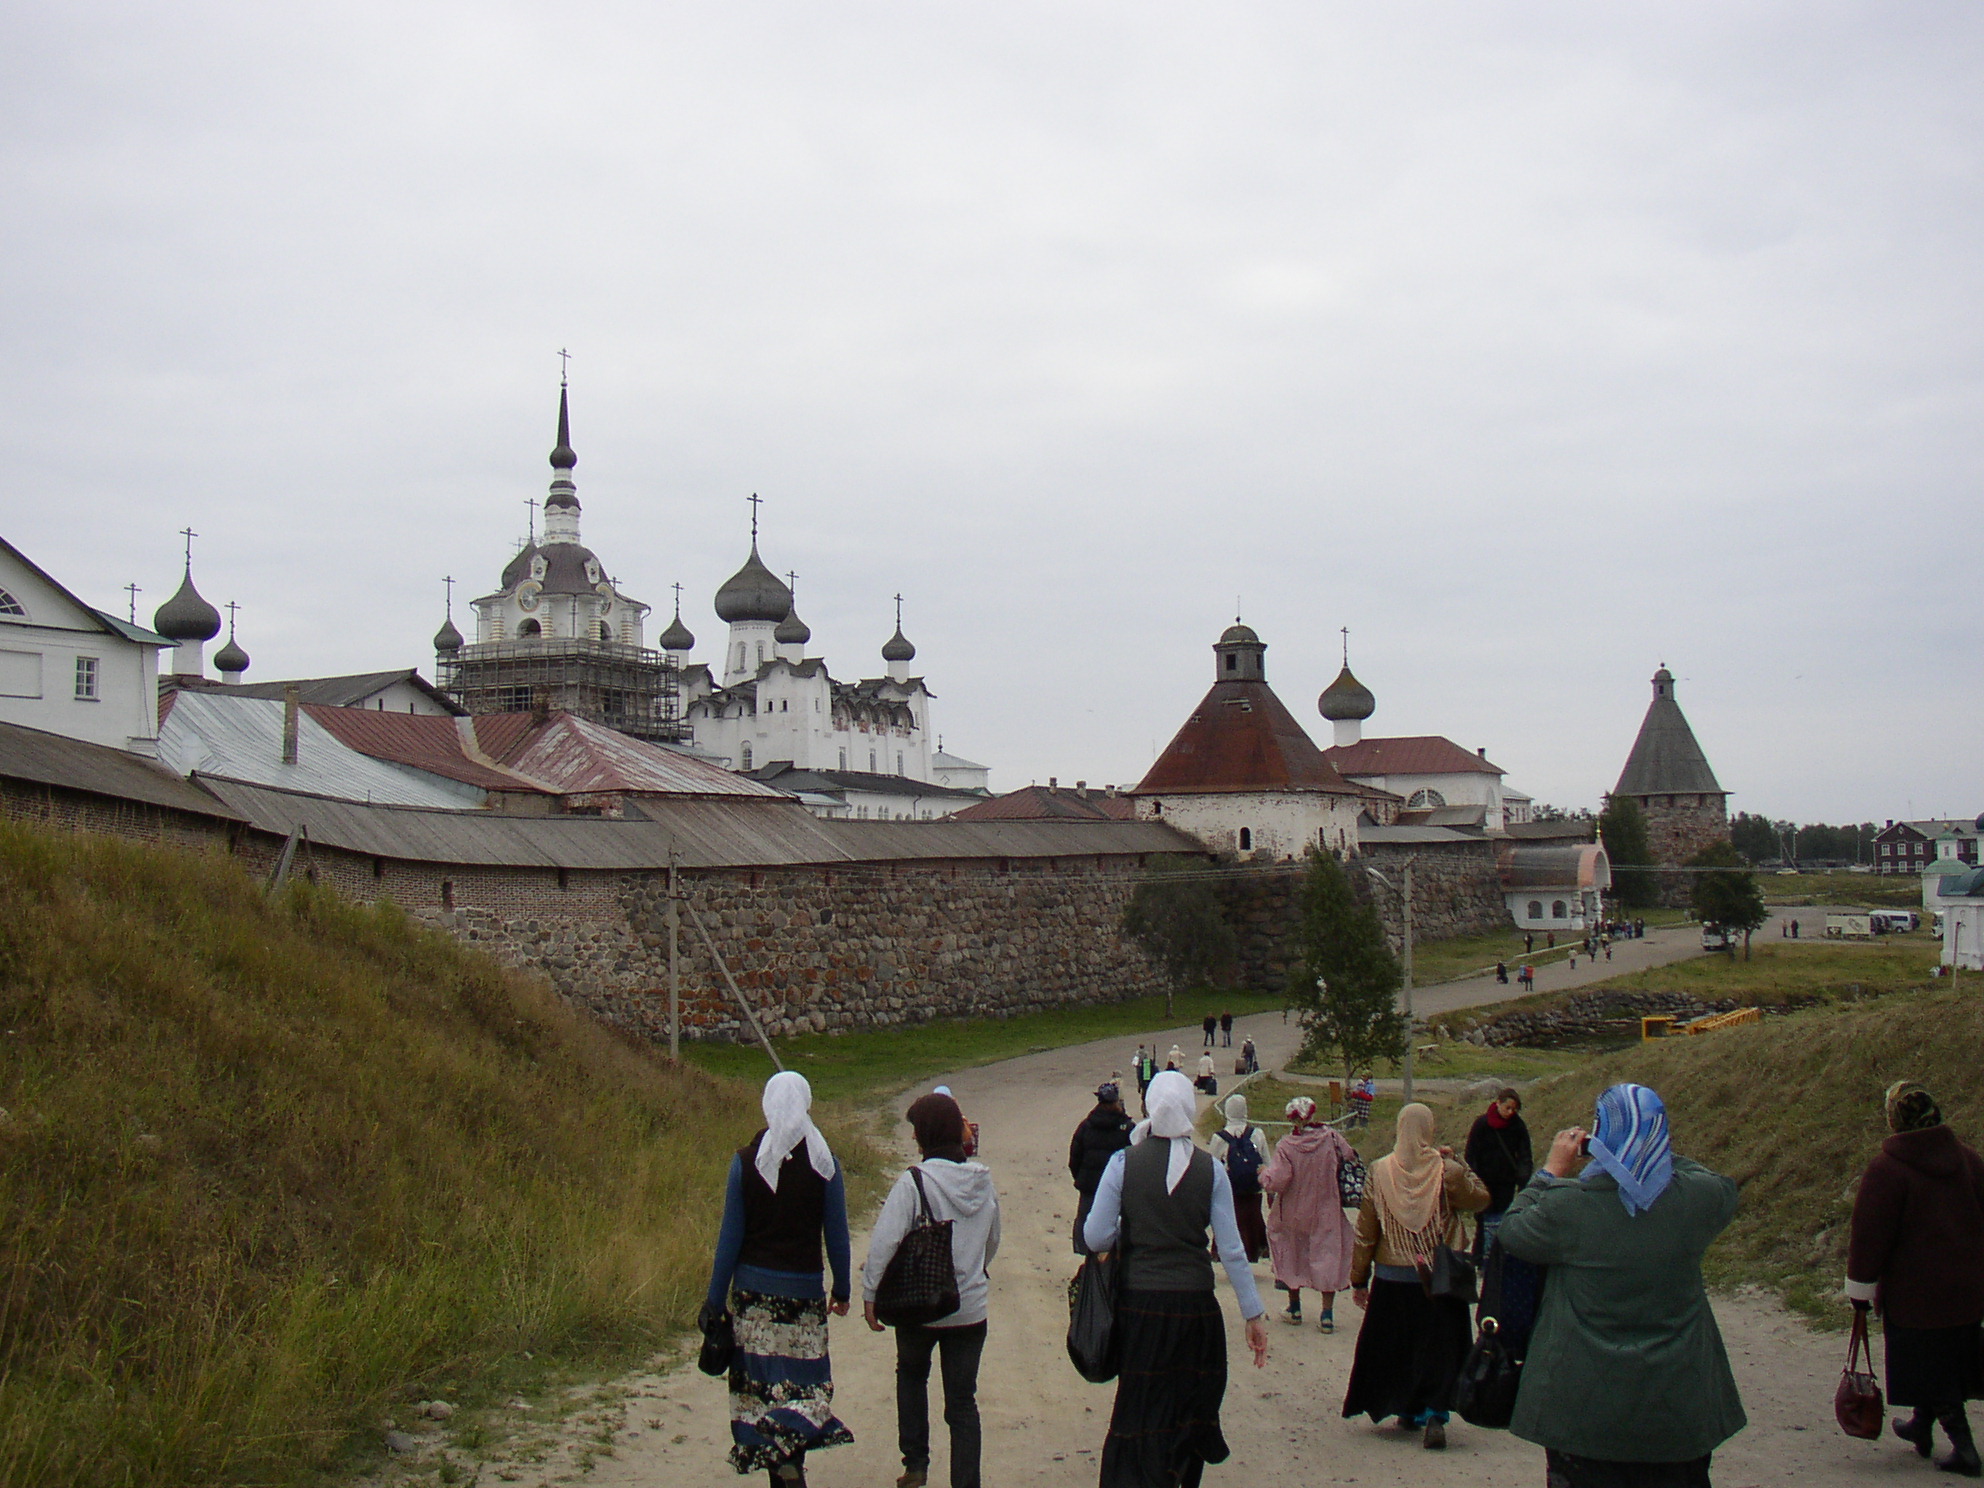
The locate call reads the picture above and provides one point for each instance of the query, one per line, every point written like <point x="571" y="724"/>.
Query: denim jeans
<point x="959" y="1350"/>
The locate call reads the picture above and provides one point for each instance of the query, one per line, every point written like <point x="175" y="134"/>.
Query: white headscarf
<point x="1236" y="1115"/>
<point x="1172" y="1108"/>
<point x="788" y="1099"/>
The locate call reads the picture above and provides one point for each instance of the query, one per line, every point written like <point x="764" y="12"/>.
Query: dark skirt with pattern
<point x="1934" y="1368"/>
<point x="1165" y="1427"/>
<point x="1409" y="1352"/>
<point x="781" y="1381"/>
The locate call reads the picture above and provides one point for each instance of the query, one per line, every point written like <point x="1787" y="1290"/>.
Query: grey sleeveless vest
<point x="1166" y="1232"/>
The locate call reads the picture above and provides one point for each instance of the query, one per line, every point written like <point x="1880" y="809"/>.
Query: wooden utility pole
<point x="750" y="1014"/>
<point x="1407" y="967"/>
<point x="674" y="963"/>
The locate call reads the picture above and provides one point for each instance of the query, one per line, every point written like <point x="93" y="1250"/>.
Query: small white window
<point x="11" y="607"/>
<point x="1421" y="800"/>
<point x="86" y="679"/>
<point x="843" y="759"/>
<point x="746" y="756"/>
<point x="785" y="705"/>
<point x="1558" y="911"/>
<point x="871" y="762"/>
<point x="761" y="653"/>
<point x="1536" y="909"/>
<point x="1246" y="839"/>
<point x="898" y="762"/>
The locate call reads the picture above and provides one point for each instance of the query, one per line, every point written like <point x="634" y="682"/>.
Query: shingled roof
<point x="1666" y="760"/>
<point x="1241" y="738"/>
<point x="1415" y="754"/>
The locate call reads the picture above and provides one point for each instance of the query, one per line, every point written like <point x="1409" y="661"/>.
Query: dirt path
<point x="1044" y="1426"/>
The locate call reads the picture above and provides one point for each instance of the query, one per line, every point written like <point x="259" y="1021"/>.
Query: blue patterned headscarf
<point x="1629" y="1141"/>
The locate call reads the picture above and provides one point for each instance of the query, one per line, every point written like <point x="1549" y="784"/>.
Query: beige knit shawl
<point x="1409" y="1186"/>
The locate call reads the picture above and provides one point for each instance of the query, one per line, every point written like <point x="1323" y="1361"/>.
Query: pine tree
<point x="1622" y="827"/>
<point x="1345" y="980"/>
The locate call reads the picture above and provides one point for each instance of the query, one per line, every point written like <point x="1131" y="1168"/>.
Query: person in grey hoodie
<point x="961" y="1192"/>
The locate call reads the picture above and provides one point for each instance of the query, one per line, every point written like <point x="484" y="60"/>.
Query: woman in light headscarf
<point x="1625" y="1384"/>
<point x="1918" y="1254"/>
<point x="1309" y="1239"/>
<point x="1240" y="1148"/>
<point x="1157" y="1199"/>
<point x="1411" y="1345"/>
<point x="785" y="1204"/>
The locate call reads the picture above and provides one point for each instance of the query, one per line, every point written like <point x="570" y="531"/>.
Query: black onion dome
<point x="792" y="631"/>
<point x="677" y="637"/>
<point x="447" y="638"/>
<point x="754" y="592"/>
<point x="1237" y="634"/>
<point x="231" y="658"/>
<point x="898" y="648"/>
<point x="564" y="457"/>
<point x="186" y="616"/>
<point x="1345" y="699"/>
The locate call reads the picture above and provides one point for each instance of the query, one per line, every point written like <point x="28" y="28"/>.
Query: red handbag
<point x="1858" y="1403"/>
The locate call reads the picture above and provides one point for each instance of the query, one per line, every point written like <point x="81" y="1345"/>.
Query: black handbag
<point x="1450" y="1274"/>
<point x="719" y="1340"/>
<point x="920" y="1283"/>
<point x="1485" y="1393"/>
<point x="1092" y="1318"/>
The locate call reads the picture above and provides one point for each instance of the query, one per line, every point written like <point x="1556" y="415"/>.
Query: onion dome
<point x="1346" y="699"/>
<point x="231" y="658"/>
<point x="792" y="631"/>
<point x="678" y="636"/>
<point x="898" y="648"/>
<point x="186" y="616"/>
<point x="754" y="592"/>
<point x="1237" y="634"/>
<point x="447" y="638"/>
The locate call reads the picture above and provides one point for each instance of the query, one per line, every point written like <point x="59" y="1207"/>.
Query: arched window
<point x="761" y="653"/>
<point x="871" y="762"/>
<point x="1536" y="909"/>
<point x="898" y="762"/>
<point x="1422" y="800"/>
<point x="11" y="607"/>
<point x="744" y="756"/>
<point x="843" y="759"/>
<point x="1558" y="911"/>
<point x="529" y="628"/>
<point x="1232" y="663"/>
<point x="1246" y="839"/>
<point x="605" y="631"/>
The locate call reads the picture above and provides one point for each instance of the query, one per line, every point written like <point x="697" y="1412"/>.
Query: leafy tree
<point x="1728" y="897"/>
<point x="1756" y="838"/>
<point x="1344" y="982"/>
<point x="1174" y="913"/>
<point x="1623" y="827"/>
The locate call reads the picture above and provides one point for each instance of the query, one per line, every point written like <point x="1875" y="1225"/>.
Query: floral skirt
<point x="781" y="1381"/>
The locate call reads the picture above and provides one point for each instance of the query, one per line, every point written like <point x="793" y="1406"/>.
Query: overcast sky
<point x="1537" y="344"/>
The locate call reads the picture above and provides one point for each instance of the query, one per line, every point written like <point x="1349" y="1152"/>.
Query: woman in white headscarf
<point x="1411" y="1345"/>
<point x="784" y="1213"/>
<point x="1157" y="1199"/>
<point x="1240" y="1148"/>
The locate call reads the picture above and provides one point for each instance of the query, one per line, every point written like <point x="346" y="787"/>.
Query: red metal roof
<point x="1241" y="738"/>
<point x="1049" y="803"/>
<point x="422" y="741"/>
<point x="1418" y="754"/>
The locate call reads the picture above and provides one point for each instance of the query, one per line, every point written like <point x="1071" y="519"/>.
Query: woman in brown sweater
<point x="1918" y="1256"/>
<point x="1411" y="1346"/>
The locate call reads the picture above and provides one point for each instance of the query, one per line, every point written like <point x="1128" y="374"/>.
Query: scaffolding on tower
<point x="630" y="688"/>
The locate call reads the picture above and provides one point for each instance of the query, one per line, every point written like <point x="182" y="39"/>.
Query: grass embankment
<point x="1874" y="890"/>
<point x="271" y="1170"/>
<point x="1465" y="956"/>
<point x="864" y="1066"/>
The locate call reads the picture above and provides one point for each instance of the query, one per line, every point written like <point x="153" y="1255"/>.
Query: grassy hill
<point x="266" y="1166"/>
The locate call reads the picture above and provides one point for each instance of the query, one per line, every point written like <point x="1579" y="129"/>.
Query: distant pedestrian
<point x="1241" y="1148"/>
<point x="784" y="1204"/>
<point x="1918" y="1254"/>
<point x="1550" y="940"/>
<point x="1608" y="950"/>
<point x="1794" y="929"/>
<point x="960" y="1194"/>
<point x="1529" y="944"/>
<point x="1103" y="1133"/>
<point x="1207" y="1082"/>
<point x="1250" y="1056"/>
<point x="1208" y="1025"/>
<point x="1226" y="1030"/>
<point x="1137" y="1071"/>
<point x="1175" y="1060"/>
<point x="1309" y="1239"/>
<point x="1411" y="1344"/>
<point x="1502" y="973"/>
<point x="1639" y="930"/>
<point x="1526" y="978"/>
<point x="1626" y="1382"/>
<point x="1363" y="1095"/>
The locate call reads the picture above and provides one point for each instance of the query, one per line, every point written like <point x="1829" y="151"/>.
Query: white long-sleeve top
<point x="1105" y="1219"/>
<point x="962" y="1193"/>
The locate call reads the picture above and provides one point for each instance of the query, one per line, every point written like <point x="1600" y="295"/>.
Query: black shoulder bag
<point x="1092" y="1313"/>
<point x="920" y="1283"/>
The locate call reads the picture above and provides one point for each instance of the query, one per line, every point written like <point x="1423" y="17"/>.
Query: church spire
<point x="561" y="504"/>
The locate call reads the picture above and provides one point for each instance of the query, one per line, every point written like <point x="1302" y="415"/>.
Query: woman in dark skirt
<point x="1157" y="1199"/>
<point x="786" y="1203"/>
<point x="1918" y="1255"/>
<point x="1411" y="1346"/>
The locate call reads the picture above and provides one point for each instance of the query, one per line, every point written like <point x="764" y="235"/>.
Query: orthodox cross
<point x="792" y="584"/>
<point x="231" y="608"/>
<point x="678" y="600"/>
<point x="898" y="612"/>
<point x="134" y="591"/>
<point x="1346" y="645"/>
<point x="756" y="501"/>
<point x="564" y="366"/>
<point x="449" y="581"/>
<point x="531" y="502"/>
<point x="189" y="534"/>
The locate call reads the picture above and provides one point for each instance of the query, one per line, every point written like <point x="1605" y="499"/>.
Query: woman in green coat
<point x="1626" y="1384"/>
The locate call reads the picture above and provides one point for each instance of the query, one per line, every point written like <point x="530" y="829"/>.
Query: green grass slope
<point x="262" y="1165"/>
<point x="1791" y="1108"/>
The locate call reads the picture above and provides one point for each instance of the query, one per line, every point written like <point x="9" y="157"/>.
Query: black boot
<point x="1918" y="1431"/>
<point x="1963" y="1450"/>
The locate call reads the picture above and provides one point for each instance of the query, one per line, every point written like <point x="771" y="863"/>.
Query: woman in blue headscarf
<point x="1626" y="1384"/>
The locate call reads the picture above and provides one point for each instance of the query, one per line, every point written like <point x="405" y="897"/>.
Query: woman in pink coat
<point x="1309" y="1240"/>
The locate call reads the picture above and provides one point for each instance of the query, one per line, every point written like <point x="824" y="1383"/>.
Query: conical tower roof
<point x="1666" y="760"/>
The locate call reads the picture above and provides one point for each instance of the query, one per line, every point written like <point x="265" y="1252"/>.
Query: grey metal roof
<point x="331" y="692"/>
<point x="240" y="738"/>
<point x="53" y="759"/>
<point x="1666" y="760"/>
<point x="1535" y="865"/>
<point x="1376" y="834"/>
<point x="706" y="834"/>
<point x="786" y="776"/>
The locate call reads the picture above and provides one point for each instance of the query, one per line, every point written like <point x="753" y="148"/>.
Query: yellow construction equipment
<point x="1665" y="1025"/>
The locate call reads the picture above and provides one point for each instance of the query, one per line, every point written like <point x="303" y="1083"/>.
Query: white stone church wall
<point x="1282" y="824"/>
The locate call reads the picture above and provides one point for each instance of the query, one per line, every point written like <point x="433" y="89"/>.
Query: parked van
<point x="1895" y="921"/>
<point x="1715" y="938"/>
<point x="1849" y="925"/>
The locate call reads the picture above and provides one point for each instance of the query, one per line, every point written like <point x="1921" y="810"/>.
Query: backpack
<point x="1243" y="1162"/>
